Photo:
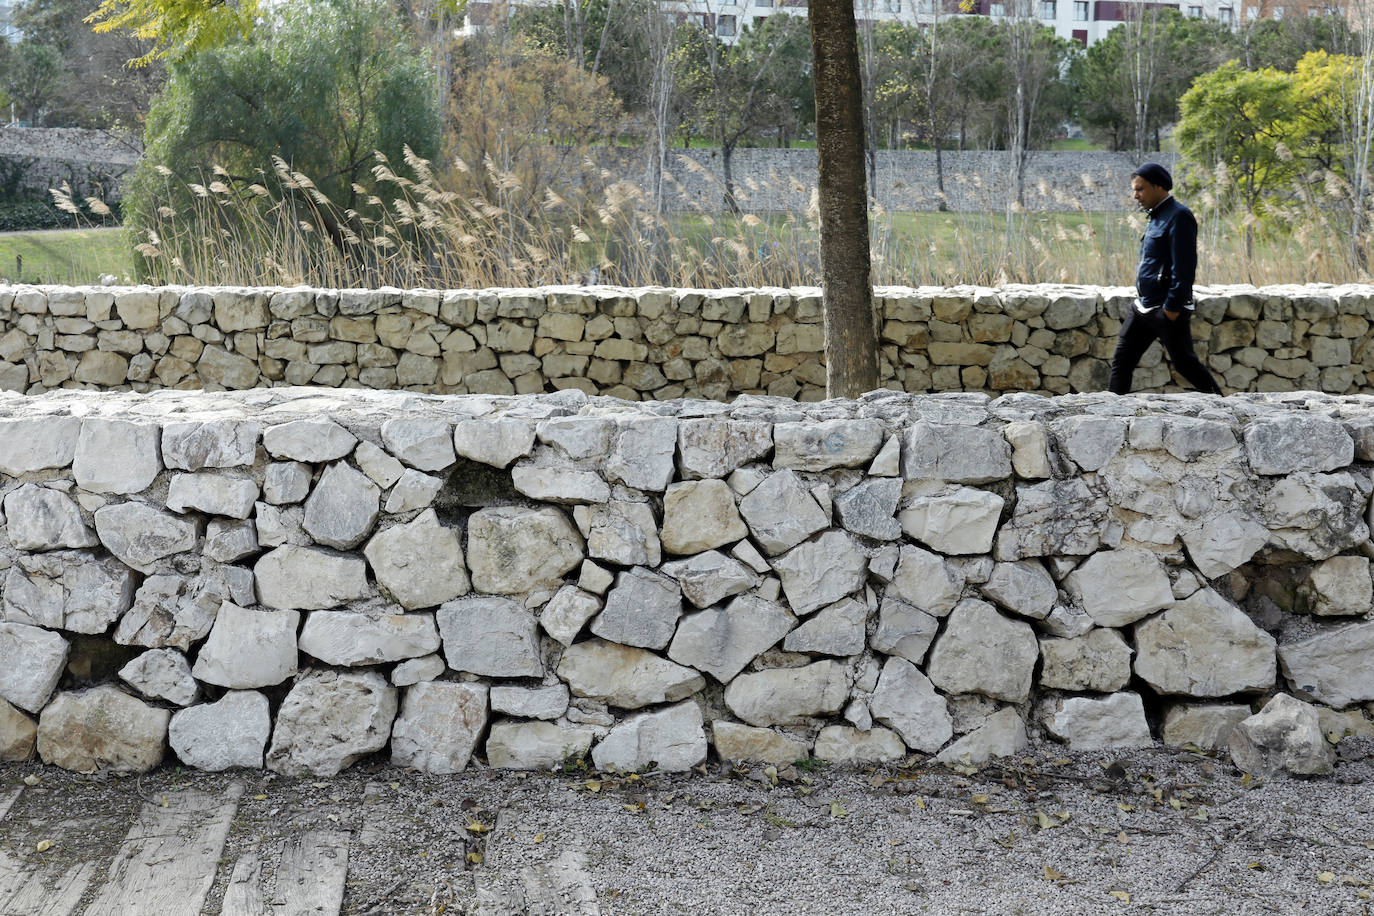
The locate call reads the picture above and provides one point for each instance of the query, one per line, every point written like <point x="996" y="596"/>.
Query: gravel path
<point x="1154" y="831"/>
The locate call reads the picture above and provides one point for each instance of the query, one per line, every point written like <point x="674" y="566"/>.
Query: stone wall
<point x="91" y="161"/>
<point x="656" y="343"/>
<point x="299" y="578"/>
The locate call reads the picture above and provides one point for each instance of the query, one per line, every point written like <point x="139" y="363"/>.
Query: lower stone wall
<point x="299" y="578"/>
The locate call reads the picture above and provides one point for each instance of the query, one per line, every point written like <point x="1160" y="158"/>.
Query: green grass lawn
<point x="65" y="256"/>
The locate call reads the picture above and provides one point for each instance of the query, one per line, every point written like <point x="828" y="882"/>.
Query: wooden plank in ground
<point x="243" y="896"/>
<point x="7" y="802"/>
<point x="309" y="879"/>
<point x="560" y="887"/>
<point x="42" y="891"/>
<point x="167" y="862"/>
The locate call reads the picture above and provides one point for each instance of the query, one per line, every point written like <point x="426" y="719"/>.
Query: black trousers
<point x="1142" y="329"/>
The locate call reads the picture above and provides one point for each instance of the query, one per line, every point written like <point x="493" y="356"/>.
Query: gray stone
<point x="1099" y="661"/>
<point x="1204" y="646"/>
<point x="311" y="441"/>
<point x="496" y="442"/>
<point x="961" y="521"/>
<point x="834" y="630"/>
<point x="308" y="579"/>
<point x="1340" y="586"/>
<point x="426" y="445"/>
<point x="904" y="630"/>
<point x="329" y="720"/>
<point x="377" y="464"/>
<point x="1002" y="734"/>
<point x="851" y="747"/>
<point x="280" y="525"/>
<point x="1030" y="450"/>
<point x="349" y="639"/>
<point x="535" y="745"/>
<point x="1297" y="442"/>
<point x="1119" y="587"/>
<point x="1205" y="726"/>
<point x="1316" y="515"/>
<point x="1332" y="666"/>
<point x="642" y="455"/>
<point x="343" y="507"/>
<point x="530" y="702"/>
<point x="983" y="652"/>
<point x="102" y="728"/>
<point x="286" y="482"/>
<point x="513" y="550"/>
<point x="1066" y="622"/>
<point x="1188" y="438"/>
<point x="1224" y="543"/>
<point x="625" y="677"/>
<point x="716" y="446"/>
<point x="1025" y="588"/>
<point x="559" y="484"/>
<point x="212" y="492"/>
<point x="413" y="491"/>
<point x="231" y="732"/>
<point x="37" y="443"/>
<point x="780" y="512"/>
<point x="1053" y="518"/>
<point x="195" y="446"/>
<point x="18" y="734"/>
<point x="869" y="509"/>
<point x="578" y="437"/>
<point x="1116" y="721"/>
<point x="415" y="670"/>
<point x="821" y="571"/>
<point x="490" y="636"/>
<point x="906" y="702"/>
<point x="568" y="612"/>
<point x="957" y="454"/>
<point x="420" y="563"/>
<point x="1090" y="442"/>
<point x="140" y="535"/>
<point x="1284" y="735"/>
<point x="34" y="659"/>
<point x="174" y="610"/>
<point x="162" y="674"/>
<point x="746" y="743"/>
<point x="439" y="726"/>
<point x="825" y="445"/>
<point x="43" y="519"/>
<point x="699" y="515"/>
<point x="75" y="591"/>
<point x="248" y="648"/>
<point x="672" y="741"/>
<point x="710" y="577"/>
<point x="722" y="641"/>
<point x="787" y="696"/>
<point x="623" y="532"/>
<point x="116" y="456"/>
<point x="924" y="580"/>
<point x="641" y="610"/>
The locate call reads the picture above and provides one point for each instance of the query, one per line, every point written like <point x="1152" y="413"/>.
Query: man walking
<point x="1164" y="284"/>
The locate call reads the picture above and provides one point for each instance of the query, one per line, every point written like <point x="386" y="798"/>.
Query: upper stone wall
<point x="656" y="343"/>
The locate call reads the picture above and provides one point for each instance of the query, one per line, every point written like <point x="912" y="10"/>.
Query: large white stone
<point x="18" y="734"/>
<point x="415" y="670"/>
<point x="413" y="491"/>
<point x="193" y="446"/>
<point x="1203" y="725"/>
<point x="490" y="636"/>
<point x="905" y="701"/>
<point x="961" y="521"/>
<point x="140" y="535"/>
<point x="624" y="676"/>
<point x="535" y="745"/>
<point x="426" y="445"/>
<point x="496" y="442"/>
<point x="641" y="610"/>
<point x="42" y="519"/>
<point x="513" y="550"/>
<point x="559" y="484"/>
<point x="781" y="512"/>
<point x="1024" y="587"/>
<point x="623" y="532"/>
<point x="231" y="732"/>
<point x="721" y="641"/>
<point x="1099" y="661"/>
<point x="786" y="696"/>
<point x="1316" y="515"/>
<point x="958" y="454"/>
<point x="329" y="719"/>
<point x="419" y="563"/>
<point x="286" y="482"/>
<point x="1297" y="441"/>
<point x="822" y="571"/>
<point x="750" y="744"/>
<point x="227" y="541"/>
<point x="1284" y="735"/>
<point x="672" y="740"/>
<point x="31" y="664"/>
<point x="212" y="492"/>
<point x="36" y="443"/>
<point x="1090" y="442"/>
<point x="1002" y="734"/>
<point x="349" y="639"/>
<point x="67" y="590"/>
<point x="343" y="507"/>
<point x="568" y="612"/>
<point x="983" y="652"/>
<point x="827" y="444"/>
<point x="1117" y="721"/>
<point x="710" y="577"/>
<point x="248" y="648"/>
<point x="845" y="746"/>
<point x="578" y="437"/>
<point x="1224" y="543"/>
<point x="1118" y="587"/>
<point x="311" y="441"/>
<point x="642" y="454"/>
<point x="1204" y="646"/>
<point x="903" y="630"/>
<point x="102" y="728"/>
<point x="117" y="456"/>
<point x="834" y="630"/>
<point x="1053" y="518"/>
<point x="307" y="578"/>
<point x="530" y="702"/>
<point x="716" y="446"/>
<point x="439" y="725"/>
<point x="162" y="674"/>
<point x="924" y="580"/>
<point x="1340" y="586"/>
<point x="175" y="611"/>
<point x="699" y="515"/>
<point x="869" y="509"/>
<point x="1332" y="667"/>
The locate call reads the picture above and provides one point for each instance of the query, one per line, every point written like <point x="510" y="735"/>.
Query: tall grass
<point x="419" y="232"/>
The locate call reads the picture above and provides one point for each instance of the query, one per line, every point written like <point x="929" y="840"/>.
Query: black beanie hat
<point x="1155" y="174"/>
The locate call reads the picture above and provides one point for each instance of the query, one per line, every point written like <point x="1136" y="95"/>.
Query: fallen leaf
<point x="1125" y="807"/>
<point x="31" y="780"/>
<point x="981" y="799"/>
<point x="478" y="827"/>
<point x="44" y="845"/>
<point x="838" y="810"/>
<point x="1175" y="804"/>
<point x="1123" y="896"/>
<point x="1257" y="866"/>
<point x="474" y="857"/>
<point x="1122" y="838"/>
<point x="592" y="785"/>
<point x="1326" y="877"/>
<point x="162" y="801"/>
<point x="538" y="838"/>
<point x="1044" y="821"/>
<point x="920" y="803"/>
<point x="636" y="808"/>
<point x="259" y="798"/>
<point x="1061" y="762"/>
<point x="1052" y="874"/>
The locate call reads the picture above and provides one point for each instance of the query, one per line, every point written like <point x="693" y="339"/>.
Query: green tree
<point x="176" y="28"/>
<point x="35" y="69"/>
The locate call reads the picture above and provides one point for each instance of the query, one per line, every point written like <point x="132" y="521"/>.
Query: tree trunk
<point x="727" y="153"/>
<point x="851" y="340"/>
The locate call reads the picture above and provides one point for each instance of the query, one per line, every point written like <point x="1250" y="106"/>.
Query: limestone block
<point x="415" y="670"/>
<point x="906" y="702"/>
<point x="413" y="491"/>
<point x="343" y="508"/>
<point x="624" y="676"/>
<point x="316" y="440"/>
<point x="1284" y="735"/>
<point x="709" y="577"/>
<point x="641" y="610"/>
<point x="787" y="696"/>
<point x="1002" y="734"/>
<point x="18" y="733"/>
<point x="1090" y="442"/>
<point x="887" y="463"/>
<point x="212" y="492"/>
<point x="834" y="630"/>
<point x="307" y="578"/>
<point x="1117" y="721"/>
<point x="176" y="611"/>
<point x="490" y="636"/>
<point x="162" y="674"/>
<point x="1332" y="666"/>
<point x="1025" y="588"/>
<point x="530" y="702"/>
<point x="1188" y="438"/>
<point x="869" y="509"/>
<point x="231" y="732"/>
<point x="109" y="370"/>
<point x="1340" y="586"/>
<point x="192" y="446"/>
<point x="227" y="541"/>
<point x="286" y="482"/>
<point x="34" y="444"/>
<point x="1316" y="515"/>
<point x="43" y="519"/>
<point x="958" y="521"/>
<point x="248" y="648"/>
<point x="1066" y="622"/>
<point x="957" y="454"/>
<point x="74" y="590"/>
<point x="426" y="445"/>
<point x="34" y="659"/>
<point x="102" y="728"/>
<point x="329" y="720"/>
<point x="672" y="740"/>
<point x="642" y="454"/>
<point x="1202" y="725"/>
<point x="722" y="641"/>
<point x="844" y="746"/>
<point x="439" y="726"/>
<point x="1099" y="661"/>
<point x="419" y="563"/>
<point x="496" y="442"/>
<point x="1204" y="646"/>
<point x="535" y="745"/>
<point x="1030" y="450"/>
<point x="821" y="571"/>
<point x="747" y="743"/>
<point x="926" y="581"/>
<point x="699" y="515"/>
<point x="710" y="447"/>
<point x="349" y="639"/>
<point x="377" y="464"/>
<point x="1053" y="518"/>
<point x="1297" y="442"/>
<point x="1224" y="543"/>
<point x="821" y="446"/>
<point x="568" y="612"/>
<point x="1118" y="587"/>
<point x="981" y="651"/>
<point x="578" y="438"/>
<point x="548" y="483"/>
<point x="116" y="456"/>
<point x="140" y="535"/>
<point x="624" y="532"/>
<point x="513" y="550"/>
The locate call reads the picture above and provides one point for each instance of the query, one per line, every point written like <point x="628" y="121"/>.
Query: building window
<point x="766" y="3"/>
<point x="894" y="6"/>
<point x="1194" y="12"/>
<point x="997" y="9"/>
<point x="1278" y="13"/>
<point x="725" y="26"/>
<point x="1251" y="12"/>
<point x="1081" y="36"/>
<point x="1226" y="15"/>
<point x="1080" y="10"/>
<point x="1048" y="9"/>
